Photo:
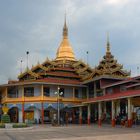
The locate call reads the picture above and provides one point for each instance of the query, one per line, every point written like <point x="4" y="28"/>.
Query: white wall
<point x="20" y="116"/>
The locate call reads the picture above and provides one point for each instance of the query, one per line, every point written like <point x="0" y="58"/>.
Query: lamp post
<point x="58" y="93"/>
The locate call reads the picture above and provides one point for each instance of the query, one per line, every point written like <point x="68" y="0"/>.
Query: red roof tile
<point x="120" y="95"/>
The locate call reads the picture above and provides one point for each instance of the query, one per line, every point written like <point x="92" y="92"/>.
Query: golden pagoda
<point x="63" y="66"/>
<point x="65" y="51"/>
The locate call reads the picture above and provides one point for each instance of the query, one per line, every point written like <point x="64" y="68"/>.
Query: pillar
<point x="104" y="108"/>
<point x="80" y="115"/>
<point x="23" y="119"/>
<point x="42" y="92"/>
<point x="129" y="113"/>
<point x="95" y="89"/>
<point x="73" y="93"/>
<point x="42" y="112"/>
<point x="104" y="91"/>
<point x="22" y="92"/>
<point x="89" y="114"/>
<point x="99" y="114"/>
<point x="6" y="92"/>
<point x="118" y="108"/>
<point x="113" y="113"/>
<point x="20" y="119"/>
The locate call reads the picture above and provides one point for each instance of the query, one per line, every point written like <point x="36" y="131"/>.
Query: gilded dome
<point x="65" y="51"/>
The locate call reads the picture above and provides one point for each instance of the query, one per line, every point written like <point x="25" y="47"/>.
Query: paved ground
<point x="72" y="133"/>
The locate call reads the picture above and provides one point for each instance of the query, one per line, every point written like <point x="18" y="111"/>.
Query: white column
<point x="99" y="113"/>
<point x="42" y="92"/>
<point x="103" y="91"/>
<point x="129" y="108"/>
<point x="73" y="93"/>
<point x="129" y="112"/>
<point x="89" y="113"/>
<point x="118" y="108"/>
<point x="20" y="120"/>
<point x="104" y="107"/>
<point x="113" y="113"/>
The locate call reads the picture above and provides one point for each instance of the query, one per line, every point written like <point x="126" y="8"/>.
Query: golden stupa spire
<point x="65" y="29"/>
<point x="108" y="44"/>
<point x="65" y="51"/>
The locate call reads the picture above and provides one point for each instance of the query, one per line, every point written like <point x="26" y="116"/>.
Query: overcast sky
<point x="36" y="26"/>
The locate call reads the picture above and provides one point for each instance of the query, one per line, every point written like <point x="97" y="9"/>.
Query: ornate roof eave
<point x="77" y="63"/>
<point x="30" y="73"/>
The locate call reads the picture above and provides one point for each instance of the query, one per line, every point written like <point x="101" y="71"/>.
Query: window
<point x="62" y="91"/>
<point x="28" y="91"/>
<point x="46" y="91"/>
<point x="12" y="92"/>
<point x="76" y="93"/>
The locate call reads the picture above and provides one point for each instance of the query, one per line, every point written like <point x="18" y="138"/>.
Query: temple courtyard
<point x="73" y="132"/>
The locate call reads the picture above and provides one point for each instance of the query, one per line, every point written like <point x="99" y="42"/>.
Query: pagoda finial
<point x="65" y="29"/>
<point x="108" y="43"/>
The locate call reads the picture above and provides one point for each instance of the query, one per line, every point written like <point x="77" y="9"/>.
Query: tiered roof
<point x="64" y="67"/>
<point x="109" y="66"/>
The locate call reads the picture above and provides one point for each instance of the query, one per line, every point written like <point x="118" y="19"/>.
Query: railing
<point x="40" y="98"/>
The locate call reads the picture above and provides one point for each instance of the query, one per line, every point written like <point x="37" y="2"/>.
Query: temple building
<point x="71" y="89"/>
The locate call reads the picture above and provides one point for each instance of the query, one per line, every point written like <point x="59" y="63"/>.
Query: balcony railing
<point x="40" y="98"/>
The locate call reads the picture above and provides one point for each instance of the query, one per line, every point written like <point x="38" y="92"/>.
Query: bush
<point x="5" y="118"/>
<point x="2" y="125"/>
<point x="20" y="125"/>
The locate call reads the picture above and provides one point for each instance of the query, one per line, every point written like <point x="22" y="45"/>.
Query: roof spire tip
<point x="108" y="43"/>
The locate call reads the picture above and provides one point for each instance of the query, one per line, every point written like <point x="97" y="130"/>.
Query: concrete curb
<point x="15" y="129"/>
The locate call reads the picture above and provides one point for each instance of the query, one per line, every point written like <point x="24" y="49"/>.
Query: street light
<point x="58" y="93"/>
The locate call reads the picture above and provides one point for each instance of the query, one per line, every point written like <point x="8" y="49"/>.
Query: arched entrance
<point x="13" y="113"/>
<point x="49" y="114"/>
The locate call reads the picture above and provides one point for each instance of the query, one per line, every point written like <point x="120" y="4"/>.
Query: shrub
<point x="5" y="118"/>
<point x="2" y="125"/>
<point x="20" y="125"/>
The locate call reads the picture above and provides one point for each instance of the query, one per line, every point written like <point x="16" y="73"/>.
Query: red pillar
<point x="129" y="122"/>
<point x="129" y="112"/>
<point x="88" y="120"/>
<point x="99" y="122"/>
<point x="42" y="112"/>
<point x="113" y="122"/>
<point x="80" y="120"/>
<point x="23" y="112"/>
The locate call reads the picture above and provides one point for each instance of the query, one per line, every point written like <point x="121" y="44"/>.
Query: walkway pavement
<point x="73" y="132"/>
